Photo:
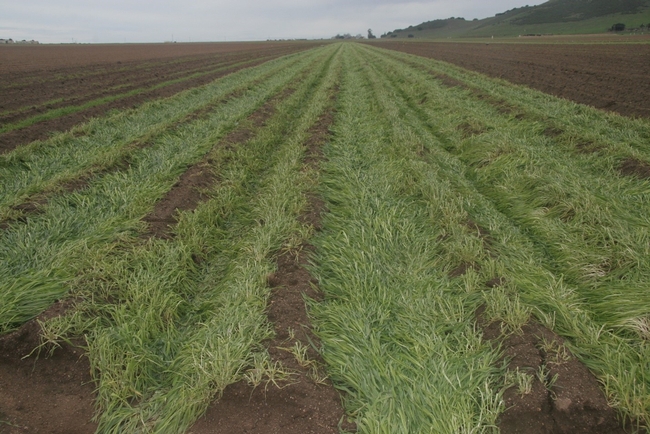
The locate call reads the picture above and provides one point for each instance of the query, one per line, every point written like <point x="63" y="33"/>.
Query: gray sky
<point x="103" y="21"/>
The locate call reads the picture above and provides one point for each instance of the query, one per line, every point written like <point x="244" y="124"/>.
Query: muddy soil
<point x="612" y="77"/>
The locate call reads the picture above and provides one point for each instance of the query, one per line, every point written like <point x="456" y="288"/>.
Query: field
<point x="576" y="17"/>
<point x="337" y="237"/>
<point x="612" y="77"/>
<point x="52" y="88"/>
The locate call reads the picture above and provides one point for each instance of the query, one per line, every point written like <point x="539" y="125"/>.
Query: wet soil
<point x="611" y="77"/>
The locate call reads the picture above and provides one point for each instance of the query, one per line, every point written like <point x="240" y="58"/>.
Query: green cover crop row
<point x="424" y="180"/>
<point x="40" y="256"/>
<point x="439" y="203"/>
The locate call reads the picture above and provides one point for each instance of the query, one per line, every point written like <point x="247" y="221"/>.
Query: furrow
<point x="38" y="256"/>
<point x="102" y="143"/>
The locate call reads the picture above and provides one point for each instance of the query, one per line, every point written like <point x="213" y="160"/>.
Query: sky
<point x="108" y="21"/>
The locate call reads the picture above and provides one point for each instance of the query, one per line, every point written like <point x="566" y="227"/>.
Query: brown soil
<point x="608" y="76"/>
<point x="185" y="195"/>
<point x="26" y="92"/>
<point x="305" y="404"/>
<point x="634" y="167"/>
<point x="302" y="404"/>
<point x="568" y="401"/>
<point x="40" y="393"/>
<point x="190" y="190"/>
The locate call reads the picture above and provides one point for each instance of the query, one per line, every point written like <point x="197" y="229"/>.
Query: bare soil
<point x="92" y="72"/>
<point x="565" y="398"/>
<point x="612" y="77"/>
<point x="42" y="393"/>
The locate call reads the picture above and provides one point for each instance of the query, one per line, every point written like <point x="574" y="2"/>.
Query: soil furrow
<point x="553" y="392"/>
<point x="96" y="91"/>
<point x="42" y="130"/>
<point x="190" y="189"/>
<point x="87" y="89"/>
<point x="42" y="392"/>
<point x="307" y="402"/>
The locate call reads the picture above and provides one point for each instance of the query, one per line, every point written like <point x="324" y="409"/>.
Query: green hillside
<point x="553" y="17"/>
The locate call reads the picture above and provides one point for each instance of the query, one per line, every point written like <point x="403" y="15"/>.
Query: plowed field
<point x="606" y="76"/>
<point x="52" y="88"/>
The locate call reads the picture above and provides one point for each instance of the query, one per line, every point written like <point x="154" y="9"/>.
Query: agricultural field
<point x="584" y="69"/>
<point x="52" y="88"/>
<point x="331" y="238"/>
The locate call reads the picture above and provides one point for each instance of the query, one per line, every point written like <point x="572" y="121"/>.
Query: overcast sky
<point x="103" y="21"/>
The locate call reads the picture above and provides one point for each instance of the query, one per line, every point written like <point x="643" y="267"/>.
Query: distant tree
<point x="411" y="35"/>
<point x="394" y="35"/>
<point x="420" y="28"/>
<point x="370" y="35"/>
<point x="618" y="27"/>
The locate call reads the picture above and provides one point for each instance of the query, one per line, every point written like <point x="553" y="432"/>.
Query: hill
<point x="553" y="17"/>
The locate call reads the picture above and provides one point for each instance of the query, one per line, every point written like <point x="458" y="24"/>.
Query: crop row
<point x="440" y="203"/>
<point x="447" y="194"/>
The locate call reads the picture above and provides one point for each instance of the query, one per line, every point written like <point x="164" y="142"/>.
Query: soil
<point x="190" y="190"/>
<point x="634" y="167"/>
<point x="568" y="401"/>
<point x="42" y="393"/>
<point x="93" y="72"/>
<point x="185" y="195"/>
<point x="306" y="403"/>
<point x="611" y="77"/>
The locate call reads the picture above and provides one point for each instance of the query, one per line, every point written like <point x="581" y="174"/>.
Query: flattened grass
<point x="567" y="232"/>
<point x="397" y="335"/>
<point x="169" y="324"/>
<point x="45" y="250"/>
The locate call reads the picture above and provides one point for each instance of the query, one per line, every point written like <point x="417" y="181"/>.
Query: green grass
<point x="398" y="336"/>
<point x="47" y="246"/>
<point x="420" y="180"/>
<point x="521" y="186"/>
<point x="566" y="17"/>
<point x="166" y="334"/>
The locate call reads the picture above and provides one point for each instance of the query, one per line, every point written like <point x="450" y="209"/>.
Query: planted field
<point x="472" y="255"/>
<point x="611" y="77"/>
<point x="46" y="89"/>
